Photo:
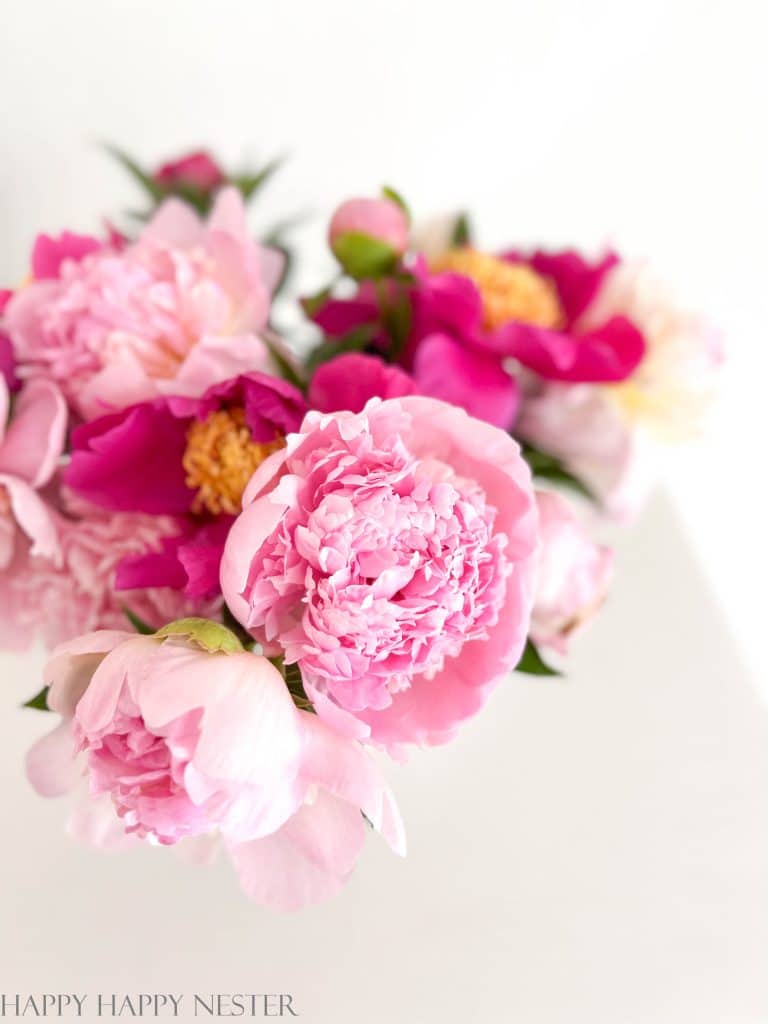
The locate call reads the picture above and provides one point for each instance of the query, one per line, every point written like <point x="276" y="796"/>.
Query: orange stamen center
<point x="220" y="458"/>
<point x="510" y="291"/>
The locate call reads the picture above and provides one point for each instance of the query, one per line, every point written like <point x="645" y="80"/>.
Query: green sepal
<point x="362" y="256"/>
<point x="390" y="193"/>
<point x="210" y="636"/>
<point x="154" y="189"/>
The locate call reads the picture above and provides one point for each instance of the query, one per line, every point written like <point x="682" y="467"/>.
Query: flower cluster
<point x="256" y="569"/>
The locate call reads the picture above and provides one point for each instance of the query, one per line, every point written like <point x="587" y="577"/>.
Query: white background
<point x="640" y="124"/>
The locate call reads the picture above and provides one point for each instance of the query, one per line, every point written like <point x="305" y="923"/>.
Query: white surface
<point x="588" y="852"/>
<point x="637" y="123"/>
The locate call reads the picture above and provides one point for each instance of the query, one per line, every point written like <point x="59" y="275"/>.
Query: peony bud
<point x="367" y="236"/>
<point x="198" y="170"/>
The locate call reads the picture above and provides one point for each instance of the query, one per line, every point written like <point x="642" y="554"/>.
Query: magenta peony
<point x="186" y="734"/>
<point x="390" y="555"/>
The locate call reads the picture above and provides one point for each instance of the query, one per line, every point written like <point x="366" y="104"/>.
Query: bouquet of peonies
<point x="256" y="567"/>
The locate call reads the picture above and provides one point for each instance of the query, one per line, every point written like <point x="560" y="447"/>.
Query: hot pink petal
<point x="606" y="354"/>
<point x="132" y="460"/>
<point x="49" y="253"/>
<point x="337" y="317"/>
<point x="350" y="380"/>
<point x="577" y="279"/>
<point x="466" y="377"/>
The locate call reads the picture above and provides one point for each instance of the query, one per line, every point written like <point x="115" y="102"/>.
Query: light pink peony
<point x="30" y="447"/>
<point x="76" y="594"/>
<point x="173" y="313"/>
<point x="381" y="219"/>
<point x="573" y="574"/>
<point x="581" y="425"/>
<point x="389" y="554"/>
<point x="186" y="734"/>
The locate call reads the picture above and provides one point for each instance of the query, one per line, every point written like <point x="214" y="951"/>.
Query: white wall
<point x="643" y="124"/>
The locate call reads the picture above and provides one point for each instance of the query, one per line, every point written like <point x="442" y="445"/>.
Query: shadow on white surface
<point x="591" y="850"/>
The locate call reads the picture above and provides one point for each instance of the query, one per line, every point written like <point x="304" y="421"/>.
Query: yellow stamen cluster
<point x="510" y="291"/>
<point x="220" y="458"/>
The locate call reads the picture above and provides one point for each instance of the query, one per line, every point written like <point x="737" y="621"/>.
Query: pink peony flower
<point x="184" y="456"/>
<point x="30" y="447"/>
<point x="389" y="554"/>
<point x="198" y="169"/>
<point x="573" y="574"/>
<point x="78" y="593"/>
<point x="176" y="311"/>
<point x="381" y="219"/>
<point x="186" y="734"/>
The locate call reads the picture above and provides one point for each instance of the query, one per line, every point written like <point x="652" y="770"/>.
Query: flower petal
<point x="308" y="860"/>
<point x="35" y="436"/>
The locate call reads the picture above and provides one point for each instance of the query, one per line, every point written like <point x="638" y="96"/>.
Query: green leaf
<point x="532" y="662"/>
<point x="39" y="702"/>
<point x="155" y="190"/>
<point x="389" y="193"/>
<point x="283" y="363"/>
<point x="248" y="184"/>
<point x="138" y="624"/>
<point x="548" y="467"/>
<point x="462" y="231"/>
<point x="396" y="316"/>
<point x="355" y="341"/>
<point x="362" y="256"/>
